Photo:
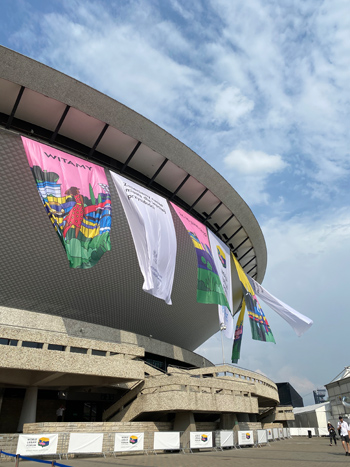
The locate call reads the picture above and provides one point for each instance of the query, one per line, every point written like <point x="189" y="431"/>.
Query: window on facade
<point x="32" y="345"/>
<point x="100" y="353"/>
<point x="13" y="342"/>
<point x="62" y="348"/>
<point x="78" y="350"/>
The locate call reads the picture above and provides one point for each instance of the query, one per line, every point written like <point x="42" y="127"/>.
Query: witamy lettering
<point x="67" y="161"/>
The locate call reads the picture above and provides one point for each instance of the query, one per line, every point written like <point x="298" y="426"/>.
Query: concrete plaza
<point x="299" y="452"/>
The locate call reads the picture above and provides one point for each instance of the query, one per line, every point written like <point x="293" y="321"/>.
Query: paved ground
<point x="296" y="452"/>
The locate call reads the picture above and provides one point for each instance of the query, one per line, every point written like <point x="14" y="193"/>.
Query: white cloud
<point x="230" y="105"/>
<point x="254" y="162"/>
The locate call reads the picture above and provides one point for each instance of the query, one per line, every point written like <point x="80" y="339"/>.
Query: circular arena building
<point x="92" y="339"/>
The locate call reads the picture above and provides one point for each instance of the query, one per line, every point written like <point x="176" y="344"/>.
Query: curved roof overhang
<point x="53" y="108"/>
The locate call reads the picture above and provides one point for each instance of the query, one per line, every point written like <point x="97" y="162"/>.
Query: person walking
<point x="344" y="434"/>
<point x="332" y="436"/>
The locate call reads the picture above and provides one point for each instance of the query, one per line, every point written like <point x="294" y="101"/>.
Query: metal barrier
<point x="18" y="457"/>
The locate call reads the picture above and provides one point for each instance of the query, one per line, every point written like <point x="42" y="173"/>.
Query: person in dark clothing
<point x="331" y="431"/>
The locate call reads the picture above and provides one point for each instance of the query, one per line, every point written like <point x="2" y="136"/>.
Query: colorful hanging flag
<point x="76" y="196"/>
<point x="153" y="232"/>
<point x="209" y="287"/>
<point x="260" y="328"/>
<point x="299" y="322"/>
<point x="236" y="349"/>
<point x="222" y="259"/>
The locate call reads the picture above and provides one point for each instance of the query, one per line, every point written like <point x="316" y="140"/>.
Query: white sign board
<point x="269" y="433"/>
<point x="262" y="436"/>
<point x="201" y="439"/>
<point x="294" y="431"/>
<point x="37" y="445"/>
<point x="305" y="431"/>
<point x="280" y="433"/>
<point x="85" y="443"/>
<point x="226" y="439"/>
<point x="245" y="438"/>
<point x="166" y="440"/>
<point x="128" y="442"/>
<point x="275" y="433"/>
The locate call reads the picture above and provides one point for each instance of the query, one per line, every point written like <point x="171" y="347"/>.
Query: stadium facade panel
<point x="56" y="321"/>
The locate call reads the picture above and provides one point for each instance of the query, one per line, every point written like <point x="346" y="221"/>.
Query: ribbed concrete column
<point x="228" y="421"/>
<point x="28" y="413"/>
<point x="184" y="421"/>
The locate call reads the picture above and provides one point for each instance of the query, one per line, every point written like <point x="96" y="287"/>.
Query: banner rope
<point x="34" y="460"/>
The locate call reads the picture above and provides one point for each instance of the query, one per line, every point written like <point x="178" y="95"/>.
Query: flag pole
<point x="222" y="328"/>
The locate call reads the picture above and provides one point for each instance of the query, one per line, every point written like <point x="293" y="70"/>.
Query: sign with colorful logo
<point x="124" y="442"/>
<point x="200" y="440"/>
<point x="43" y="442"/>
<point x="37" y="444"/>
<point x="245" y="438"/>
<point x="76" y="197"/>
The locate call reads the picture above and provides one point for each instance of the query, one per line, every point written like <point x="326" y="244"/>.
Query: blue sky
<point x="260" y="90"/>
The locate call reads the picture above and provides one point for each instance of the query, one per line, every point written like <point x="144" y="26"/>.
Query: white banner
<point x="226" y="439"/>
<point x="275" y="433"/>
<point x="166" y="440"/>
<point x="153" y="232"/>
<point x="299" y="322"/>
<point x="222" y="259"/>
<point x="305" y="431"/>
<point x="269" y="433"/>
<point x="85" y="443"/>
<point x="128" y="442"/>
<point x="262" y="436"/>
<point x="280" y="433"/>
<point x="245" y="438"/>
<point x="38" y="445"/>
<point x="201" y="439"/>
<point x="285" y="433"/>
<point x="294" y="431"/>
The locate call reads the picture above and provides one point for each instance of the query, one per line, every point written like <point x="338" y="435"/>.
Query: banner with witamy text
<point x="153" y="233"/>
<point x="76" y="197"/>
<point x="209" y="287"/>
<point x="222" y="259"/>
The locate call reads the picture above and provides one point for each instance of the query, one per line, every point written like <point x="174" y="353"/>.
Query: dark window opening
<point x="78" y="350"/>
<point x="100" y="353"/>
<point x="32" y="345"/>
<point x="61" y="348"/>
<point x="12" y="342"/>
